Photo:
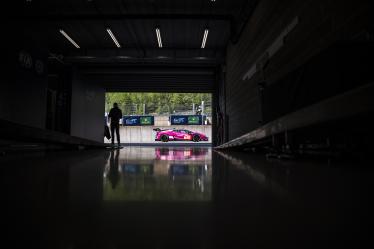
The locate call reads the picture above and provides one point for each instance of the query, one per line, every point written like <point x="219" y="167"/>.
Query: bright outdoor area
<point x="161" y="117"/>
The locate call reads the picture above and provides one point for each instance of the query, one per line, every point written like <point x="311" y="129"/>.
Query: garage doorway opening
<point x="161" y="118"/>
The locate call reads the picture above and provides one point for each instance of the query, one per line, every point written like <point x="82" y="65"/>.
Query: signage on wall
<point x="186" y="119"/>
<point x="194" y="120"/>
<point x="146" y="120"/>
<point x="26" y="61"/>
<point x="39" y="67"/>
<point x="138" y="120"/>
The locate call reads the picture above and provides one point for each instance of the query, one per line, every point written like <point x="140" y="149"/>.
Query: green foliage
<point x="157" y="103"/>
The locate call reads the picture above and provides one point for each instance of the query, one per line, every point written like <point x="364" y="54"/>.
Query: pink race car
<point x="179" y="135"/>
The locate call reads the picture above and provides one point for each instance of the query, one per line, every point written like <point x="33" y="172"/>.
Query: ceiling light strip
<point x="159" y="37"/>
<point x="113" y="38"/>
<point x="206" y="32"/>
<point x="69" y="38"/>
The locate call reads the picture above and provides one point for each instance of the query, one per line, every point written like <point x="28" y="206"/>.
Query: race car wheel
<point x="196" y="138"/>
<point x="164" y="138"/>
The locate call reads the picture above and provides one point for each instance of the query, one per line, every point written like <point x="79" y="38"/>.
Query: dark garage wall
<point x="320" y="25"/>
<point x="23" y="88"/>
<point x="87" y="109"/>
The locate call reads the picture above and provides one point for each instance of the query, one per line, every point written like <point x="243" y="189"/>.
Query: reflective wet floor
<point x="147" y="197"/>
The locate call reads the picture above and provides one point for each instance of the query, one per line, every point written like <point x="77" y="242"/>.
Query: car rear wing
<point x="158" y="129"/>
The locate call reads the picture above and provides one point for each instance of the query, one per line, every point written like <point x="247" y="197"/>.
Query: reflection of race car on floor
<point x="181" y="153"/>
<point x="179" y="135"/>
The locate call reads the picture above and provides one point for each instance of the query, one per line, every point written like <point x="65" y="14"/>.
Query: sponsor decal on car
<point x="187" y="137"/>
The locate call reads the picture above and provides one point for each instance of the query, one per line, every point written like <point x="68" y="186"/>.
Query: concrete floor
<point x="149" y="197"/>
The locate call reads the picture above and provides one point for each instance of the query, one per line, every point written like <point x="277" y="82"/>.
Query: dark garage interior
<point x="288" y="166"/>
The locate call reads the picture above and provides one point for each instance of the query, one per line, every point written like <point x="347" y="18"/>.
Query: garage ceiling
<point x="133" y="23"/>
<point x="181" y="64"/>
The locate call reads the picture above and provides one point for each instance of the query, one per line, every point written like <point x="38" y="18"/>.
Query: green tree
<point x="157" y="103"/>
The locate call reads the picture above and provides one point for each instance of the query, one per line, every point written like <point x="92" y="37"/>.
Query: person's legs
<point x="117" y="133"/>
<point x="112" y="128"/>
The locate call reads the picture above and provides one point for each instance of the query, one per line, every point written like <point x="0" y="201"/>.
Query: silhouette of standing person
<point x="115" y="115"/>
<point x="198" y="111"/>
<point x="113" y="174"/>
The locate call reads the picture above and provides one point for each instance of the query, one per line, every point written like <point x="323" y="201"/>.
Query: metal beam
<point x="79" y="17"/>
<point x="87" y="60"/>
<point x="132" y="55"/>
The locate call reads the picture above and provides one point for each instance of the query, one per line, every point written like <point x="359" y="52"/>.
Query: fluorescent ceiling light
<point x="113" y="38"/>
<point x="159" y="37"/>
<point x="69" y="38"/>
<point x="206" y="32"/>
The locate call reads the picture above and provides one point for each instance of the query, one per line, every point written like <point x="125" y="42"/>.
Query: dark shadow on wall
<point x="341" y="67"/>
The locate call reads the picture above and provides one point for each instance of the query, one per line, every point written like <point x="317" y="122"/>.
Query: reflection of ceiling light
<point x="113" y="38"/>
<point x="201" y="58"/>
<point x="69" y="38"/>
<point x="159" y="40"/>
<point x="206" y="32"/>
